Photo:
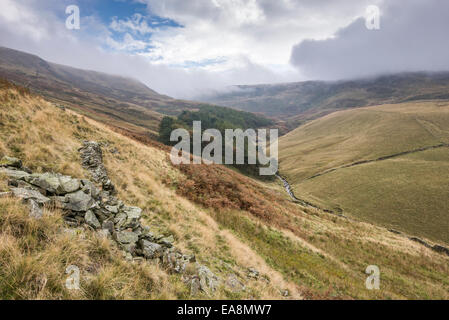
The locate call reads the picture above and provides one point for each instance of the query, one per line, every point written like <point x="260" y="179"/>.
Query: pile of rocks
<point x="83" y="203"/>
<point x="92" y="160"/>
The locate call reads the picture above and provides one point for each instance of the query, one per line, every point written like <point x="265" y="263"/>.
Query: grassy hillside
<point x="386" y="164"/>
<point x="229" y="221"/>
<point x="303" y="101"/>
<point x="116" y="100"/>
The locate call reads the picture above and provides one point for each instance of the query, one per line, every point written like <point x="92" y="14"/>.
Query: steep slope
<point x="302" y="101"/>
<point x="119" y="101"/>
<point x="230" y="222"/>
<point x="385" y="164"/>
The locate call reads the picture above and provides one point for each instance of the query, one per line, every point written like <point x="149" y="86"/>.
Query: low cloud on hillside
<point x="412" y="37"/>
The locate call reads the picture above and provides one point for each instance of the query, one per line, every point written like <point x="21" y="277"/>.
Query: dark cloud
<point x="412" y="37"/>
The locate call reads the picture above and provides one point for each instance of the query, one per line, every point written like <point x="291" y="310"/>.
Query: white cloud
<point x="221" y="42"/>
<point x="264" y="31"/>
<point x="412" y="37"/>
<point x="24" y="20"/>
<point x="135" y="24"/>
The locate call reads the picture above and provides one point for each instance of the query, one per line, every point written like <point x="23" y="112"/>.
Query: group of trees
<point x="213" y="117"/>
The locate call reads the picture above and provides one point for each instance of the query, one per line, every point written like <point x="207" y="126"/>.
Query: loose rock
<point x="35" y="209"/>
<point x="208" y="280"/>
<point x="54" y="183"/>
<point x="11" y="162"/>
<point x="14" y="174"/>
<point x="78" y="201"/>
<point x="150" y="250"/>
<point x="92" y="220"/>
<point x="27" y="194"/>
<point x="126" y="237"/>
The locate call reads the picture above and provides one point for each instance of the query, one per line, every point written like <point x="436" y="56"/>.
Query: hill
<point x="118" y="101"/>
<point x="299" y="102"/>
<point x="384" y="164"/>
<point x="246" y="232"/>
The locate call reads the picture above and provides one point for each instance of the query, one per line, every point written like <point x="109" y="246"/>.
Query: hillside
<point x="384" y="164"/>
<point x="116" y="100"/>
<point x="302" y="101"/>
<point x="246" y="232"/>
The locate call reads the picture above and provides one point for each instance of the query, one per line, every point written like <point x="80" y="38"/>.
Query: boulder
<point x="126" y="237"/>
<point x="11" y="162"/>
<point x="108" y="225"/>
<point x="35" y="209"/>
<point x="27" y="194"/>
<point x="129" y="217"/>
<point x="14" y="174"/>
<point x="147" y="234"/>
<point x="92" y="220"/>
<point x="25" y="185"/>
<point x="150" y="250"/>
<point x="132" y="216"/>
<point x="209" y="282"/>
<point x="54" y="183"/>
<point x="102" y="214"/>
<point x="90" y="189"/>
<point x="78" y="201"/>
<point x="120" y="221"/>
<point x="112" y="209"/>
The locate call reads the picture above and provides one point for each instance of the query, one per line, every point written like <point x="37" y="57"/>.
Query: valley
<point x="230" y="222"/>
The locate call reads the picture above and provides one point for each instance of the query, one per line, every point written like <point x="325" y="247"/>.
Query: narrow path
<point x="441" y="145"/>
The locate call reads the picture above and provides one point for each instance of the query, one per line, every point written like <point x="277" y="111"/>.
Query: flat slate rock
<point x="14" y="174"/>
<point x="54" y="183"/>
<point x="27" y="194"/>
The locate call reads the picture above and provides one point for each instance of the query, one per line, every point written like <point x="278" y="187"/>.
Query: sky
<point x="188" y="48"/>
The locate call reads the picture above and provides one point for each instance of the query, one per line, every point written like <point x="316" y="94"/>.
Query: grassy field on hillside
<point x="408" y="192"/>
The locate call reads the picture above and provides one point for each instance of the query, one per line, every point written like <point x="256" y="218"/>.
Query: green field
<point x="408" y="192"/>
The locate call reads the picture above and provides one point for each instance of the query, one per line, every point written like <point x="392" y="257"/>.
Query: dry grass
<point x="34" y="255"/>
<point x="408" y="192"/>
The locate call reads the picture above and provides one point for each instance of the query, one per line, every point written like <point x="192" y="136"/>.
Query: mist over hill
<point x="299" y="102"/>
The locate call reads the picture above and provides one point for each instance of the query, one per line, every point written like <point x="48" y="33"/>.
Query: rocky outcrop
<point x="83" y="203"/>
<point x="29" y="194"/>
<point x="92" y="160"/>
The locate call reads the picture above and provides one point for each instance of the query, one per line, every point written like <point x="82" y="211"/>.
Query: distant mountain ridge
<point x="121" y="101"/>
<point x="302" y="101"/>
